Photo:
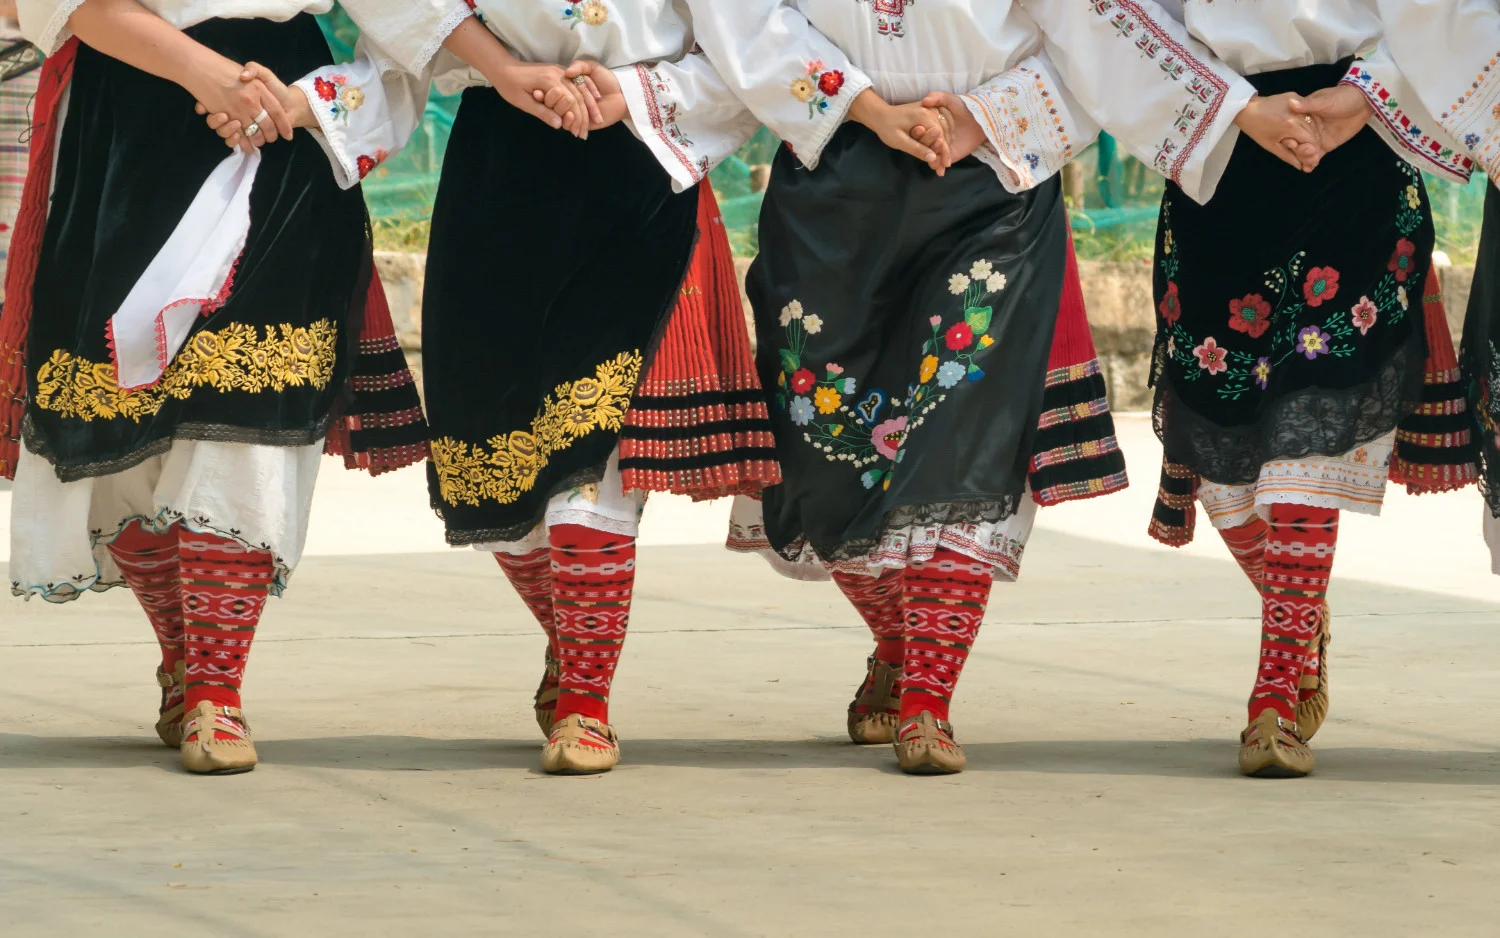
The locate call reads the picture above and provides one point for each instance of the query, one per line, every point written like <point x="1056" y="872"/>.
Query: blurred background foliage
<point x="1112" y="198"/>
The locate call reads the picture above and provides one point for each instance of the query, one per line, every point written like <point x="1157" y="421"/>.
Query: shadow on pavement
<point x="1197" y="758"/>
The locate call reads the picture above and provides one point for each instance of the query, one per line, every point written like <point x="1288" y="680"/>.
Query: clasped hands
<point x="940" y="130"/>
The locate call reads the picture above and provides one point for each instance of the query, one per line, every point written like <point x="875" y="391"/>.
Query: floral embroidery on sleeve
<point x="587" y="12"/>
<point x="816" y="87"/>
<point x="341" y="97"/>
<point x="367" y="164"/>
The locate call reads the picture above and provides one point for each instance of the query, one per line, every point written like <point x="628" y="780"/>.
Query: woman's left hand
<point x="604" y="86"/>
<point x="1340" y="112"/>
<point x="292" y="100"/>
<point x="961" y="129"/>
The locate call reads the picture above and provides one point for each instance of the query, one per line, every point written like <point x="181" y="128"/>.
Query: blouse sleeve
<point x="366" y="111"/>
<point x="408" y="32"/>
<point x="1032" y="125"/>
<point x="1168" y="100"/>
<point x="686" y="114"/>
<point x="1434" y="85"/>
<point x="44" y="23"/>
<point x="790" y="76"/>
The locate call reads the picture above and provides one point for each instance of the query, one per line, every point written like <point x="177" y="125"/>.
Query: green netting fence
<point x="1113" y="200"/>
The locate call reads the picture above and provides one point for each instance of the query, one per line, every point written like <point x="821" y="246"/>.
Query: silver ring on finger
<point x="253" y="129"/>
<point x="581" y="80"/>
<point x="260" y="118"/>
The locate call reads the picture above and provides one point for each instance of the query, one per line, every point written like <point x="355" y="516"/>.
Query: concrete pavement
<point x="390" y="692"/>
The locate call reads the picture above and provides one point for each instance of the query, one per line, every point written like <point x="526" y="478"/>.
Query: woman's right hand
<point x="298" y="108"/>
<point x="1282" y="131"/>
<point x="894" y="124"/>
<point x="219" y="89"/>
<point x="528" y="86"/>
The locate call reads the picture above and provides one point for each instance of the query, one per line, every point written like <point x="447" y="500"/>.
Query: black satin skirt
<point x="1481" y="350"/>
<point x="552" y="267"/>
<point x="904" y="322"/>
<point x="265" y="367"/>
<point x="1290" y="318"/>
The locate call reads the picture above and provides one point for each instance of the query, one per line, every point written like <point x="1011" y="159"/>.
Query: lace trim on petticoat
<point x="159" y="523"/>
<point x="1311" y="422"/>
<point x="897" y="543"/>
<point x="201" y="432"/>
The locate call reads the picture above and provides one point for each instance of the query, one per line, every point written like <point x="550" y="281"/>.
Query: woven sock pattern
<point x="1247" y="543"/>
<point x="1298" y="562"/>
<point x="224" y="589"/>
<point x="943" y="602"/>
<point x="593" y="574"/>
<point x="149" y="564"/>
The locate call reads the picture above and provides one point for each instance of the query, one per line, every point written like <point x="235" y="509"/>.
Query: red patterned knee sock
<point x="531" y="575"/>
<point x="149" y="564"/>
<point x="593" y="574"/>
<point x="877" y="599"/>
<point x="944" y="601"/>
<point x="224" y="590"/>
<point x="1248" y="545"/>
<point x="1299" y="560"/>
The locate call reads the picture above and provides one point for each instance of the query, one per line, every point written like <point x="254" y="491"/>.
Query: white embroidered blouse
<point x="1040" y="76"/>
<point x="1450" y="52"/>
<point x="1267" y="35"/>
<point x="678" y="105"/>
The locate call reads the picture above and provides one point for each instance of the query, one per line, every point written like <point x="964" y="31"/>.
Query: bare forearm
<point x="480" y="48"/>
<point x="127" y="31"/>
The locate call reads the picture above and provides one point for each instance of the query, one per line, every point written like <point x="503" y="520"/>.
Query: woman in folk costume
<point x="1447" y="50"/>
<point x="905" y="317"/>
<point x="1302" y="355"/>
<point x="579" y="350"/>
<point x="187" y="331"/>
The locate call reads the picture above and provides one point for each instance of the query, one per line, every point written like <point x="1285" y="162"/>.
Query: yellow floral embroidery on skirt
<point x="235" y="358"/>
<point x="510" y="464"/>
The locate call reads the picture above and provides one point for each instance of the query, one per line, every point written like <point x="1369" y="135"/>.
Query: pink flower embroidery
<point x="1211" y="358"/>
<point x="1363" y="315"/>
<point x="889" y="436"/>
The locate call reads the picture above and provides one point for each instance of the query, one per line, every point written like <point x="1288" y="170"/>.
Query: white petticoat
<point x="1492" y="538"/>
<point x="1353" y="482"/>
<point x="260" y="496"/>
<point x="602" y="506"/>
<point x="999" y="545"/>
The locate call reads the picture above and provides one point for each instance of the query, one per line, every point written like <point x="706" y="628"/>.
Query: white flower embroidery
<point x="957" y="284"/>
<point x="981" y="270"/>
<point x="790" y="311"/>
<point x="1401" y="296"/>
<point x="813" y="325"/>
<point x="995" y="283"/>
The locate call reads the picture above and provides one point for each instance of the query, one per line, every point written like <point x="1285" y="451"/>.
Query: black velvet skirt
<point x="1290" y="317"/>
<point x="904" y="323"/>
<point x="265" y="367"/>
<point x="552" y="266"/>
<point x="1481" y="350"/>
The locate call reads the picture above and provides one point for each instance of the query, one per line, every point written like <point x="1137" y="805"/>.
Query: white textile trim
<point x="1000" y="545"/>
<point x="1492" y="538"/>
<point x="602" y="506"/>
<point x="358" y="128"/>
<point x="259" y="496"/>
<point x="458" y="11"/>
<point x="190" y="275"/>
<point x="56" y="32"/>
<point x="1354" y="481"/>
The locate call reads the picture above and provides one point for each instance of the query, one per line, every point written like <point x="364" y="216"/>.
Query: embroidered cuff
<point x="1198" y="165"/>
<point x="1404" y="136"/>
<point x="653" y="115"/>
<point x="1026" y="138"/>
<point x="828" y="94"/>
<point x="355" y="126"/>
